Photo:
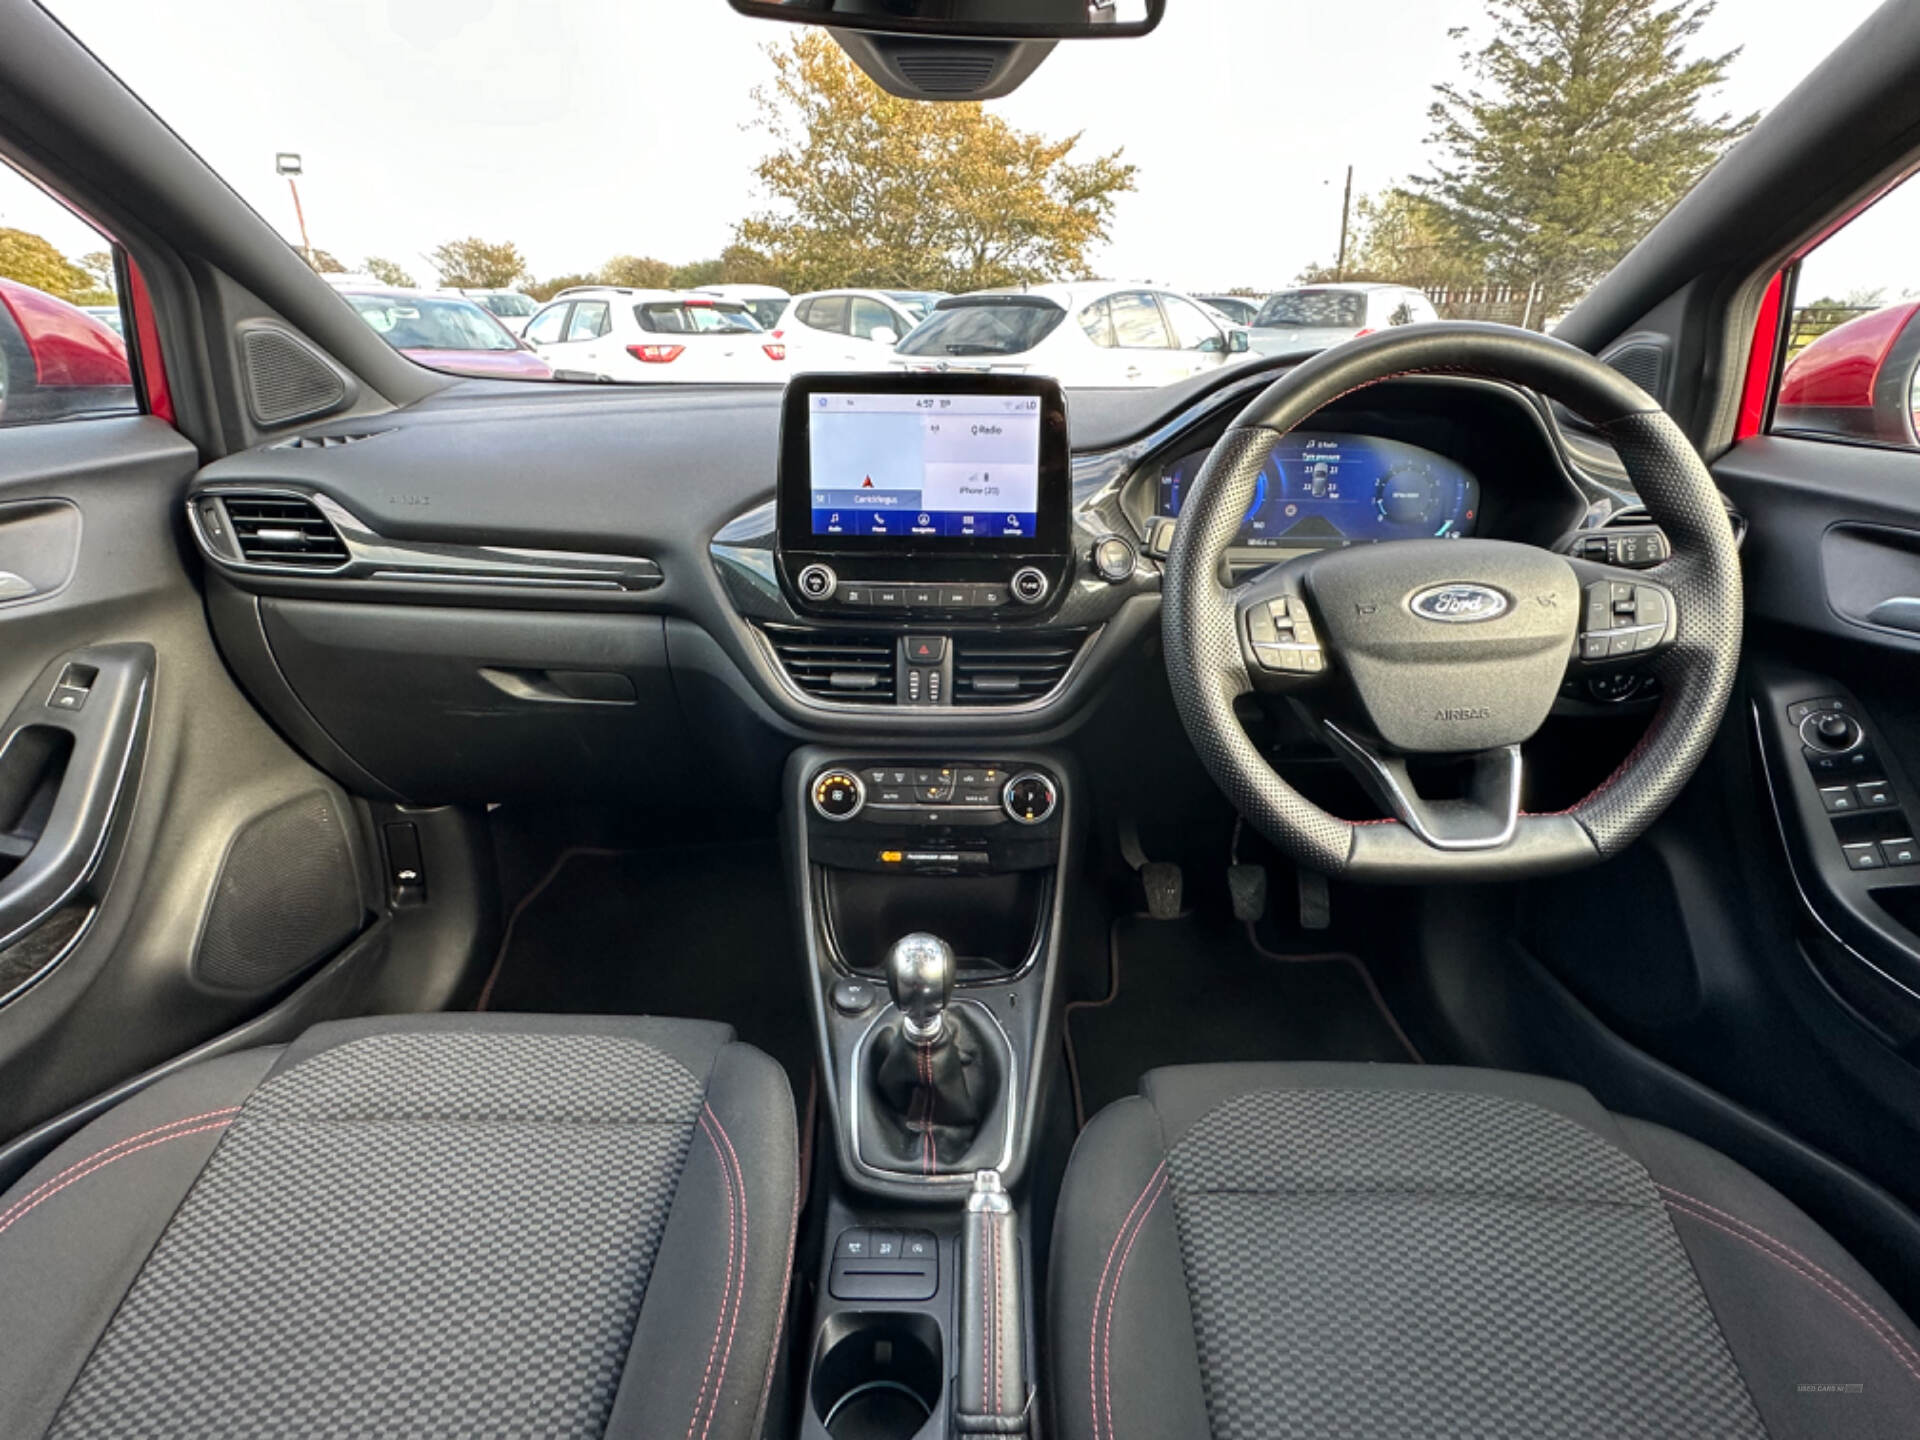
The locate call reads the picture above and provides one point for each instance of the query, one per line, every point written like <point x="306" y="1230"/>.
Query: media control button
<point x="817" y="582"/>
<point x="989" y="596"/>
<point x="1029" y="585"/>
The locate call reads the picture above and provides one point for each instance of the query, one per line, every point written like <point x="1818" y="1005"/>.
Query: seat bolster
<point x="1825" y="1351"/>
<point x="1124" y="1358"/>
<point x="76" y="1229"/>
<point x="703" y="1348"/>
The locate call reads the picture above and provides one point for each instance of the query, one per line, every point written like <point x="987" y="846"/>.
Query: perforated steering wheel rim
<point x="1206" y="654"/>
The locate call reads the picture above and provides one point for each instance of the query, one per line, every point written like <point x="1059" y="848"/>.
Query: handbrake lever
<point x="993" y="1394"/>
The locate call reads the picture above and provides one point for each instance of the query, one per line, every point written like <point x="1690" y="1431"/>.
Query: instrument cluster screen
<point x="1325" y="491"/>
<point x="924" y="466"/>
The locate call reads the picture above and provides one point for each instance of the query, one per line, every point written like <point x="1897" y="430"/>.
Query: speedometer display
<point x="1324" y="491"/>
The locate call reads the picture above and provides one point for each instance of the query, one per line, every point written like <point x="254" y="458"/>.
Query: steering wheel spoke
<point x="1484" y="819"/>
<point x="1625" y="617"/>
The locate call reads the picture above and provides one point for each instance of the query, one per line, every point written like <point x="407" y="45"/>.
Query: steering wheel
<point x="1451" y="647"/>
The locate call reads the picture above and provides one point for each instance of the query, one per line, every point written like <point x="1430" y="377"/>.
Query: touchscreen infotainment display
<point x="929" y="466"/>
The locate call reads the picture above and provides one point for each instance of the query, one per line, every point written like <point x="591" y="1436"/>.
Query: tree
<point x="478" y="264"/>
<point x="869" y="189"/>
<point x="642" y="272"/>
<point x="33" y="260"/>
<point x="1577" y="127"/>
<point x="699" y="272"/>
<point x="388" y="272"/>
<point x="1405" y="239"/>
<point x="743" y="265"/>
<point x="99" y="265"/>
<point x="323" y="262"/>
<point x="545" y="290"/>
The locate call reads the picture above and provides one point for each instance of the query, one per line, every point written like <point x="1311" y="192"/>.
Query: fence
<point x="1508" y="304"/>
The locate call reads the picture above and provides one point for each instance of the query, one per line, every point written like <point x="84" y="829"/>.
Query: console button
<point x="1838" y="799"/>
<point x="853" y="1245"/>
<point x="1874" y="795"/>
<point x="923" y="596"/>
<point x="975" y="795"/>
<point x="925" y="649"/>
<point x="854" y="595"/>
<point x="853" y="997"/>
<point x="956" y="597"/>
<point x="934" y="786"/>
<point x="1865" y="856"/>
<point x="919" y="1245"/>
<point x="1900" y="852"/>
<point x="1029" y="585"/>
<point x="889" y="597"/>
<point x="816" y="581"/>
<point x="886" y="1244"/>
<point x="990" y="595"/>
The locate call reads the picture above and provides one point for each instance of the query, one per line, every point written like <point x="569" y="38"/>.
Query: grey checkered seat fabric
<point x="437" y="1226"/>
<point x="1327" y="1251"/>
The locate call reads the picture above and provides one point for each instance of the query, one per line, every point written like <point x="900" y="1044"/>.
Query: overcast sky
<point x="590" y="128"/>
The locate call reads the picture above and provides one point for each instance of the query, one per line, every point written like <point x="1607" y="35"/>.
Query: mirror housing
<point x="969" y="19"/>
<point x="1238" y="341"/>
<point x="885" y="335"/>
<point x="1859" y="381"/>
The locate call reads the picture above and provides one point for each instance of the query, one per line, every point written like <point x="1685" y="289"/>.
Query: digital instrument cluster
<point x="1321" y="491"/>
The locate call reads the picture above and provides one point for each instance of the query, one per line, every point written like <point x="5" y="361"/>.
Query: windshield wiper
<point x="965" y="349"/>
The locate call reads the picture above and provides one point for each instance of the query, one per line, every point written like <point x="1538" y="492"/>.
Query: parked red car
<point x="447" y="332"/>
<point x="1858" y="380"/>
<point x="56" y="361"/>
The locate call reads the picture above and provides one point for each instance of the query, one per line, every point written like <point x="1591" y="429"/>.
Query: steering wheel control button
<point x="1283" y="638"/>
<point x="817" y="582"/>
<point x="1030" y="585"/>
<point x="838" y="795"/>
<point x="1030" y="798"/>
<point x="1113" y="559"/>
<point x="1622" y="619"/>
<point x="1864" y="856"/>
<point x="853" y="997"/>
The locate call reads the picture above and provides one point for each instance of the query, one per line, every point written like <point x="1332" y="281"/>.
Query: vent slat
<point x="1008" y="670"/>
<point x="284" y="530"/>
<point x="851" y="669"/>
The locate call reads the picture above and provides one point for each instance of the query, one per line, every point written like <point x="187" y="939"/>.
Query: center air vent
<point x="1010" y="669"/>
<point x="284" y="530"/>
<point x="834" y="666"/>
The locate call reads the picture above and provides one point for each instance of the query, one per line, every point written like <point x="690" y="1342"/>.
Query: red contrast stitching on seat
<point x="27" y="1204"/>
<point x="1093" y="1326"/>
<point x="726" y="1289"/>
<point x="7" y="1218"/>
<point x="1877" y="1325"/>
<point x="738" y="1178"/>
<point x="1113" y="1302"/>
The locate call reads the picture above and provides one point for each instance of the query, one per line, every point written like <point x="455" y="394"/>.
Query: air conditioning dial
<point x="1029" y="798"/>
<point x="838" y="794"/>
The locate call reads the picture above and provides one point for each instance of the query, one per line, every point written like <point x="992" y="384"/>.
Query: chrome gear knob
<point x="920" y="977"/>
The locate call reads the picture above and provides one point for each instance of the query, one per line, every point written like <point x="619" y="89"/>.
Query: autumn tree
<point x="1578" y="125"/>
<point x="33" y="260"/>
<point x="743" y="265"/>
<point x="545" y="290"/>
<point x="478" y="264"/>
<point x="1405" y="239"/>
<point x="99" y="265"/>
<point x="389" y="272"/>
<point x="322" y="261"/>
<point x="641" y="271"/>
<point x="696" y="273"/>
<point x="870" y="189"/>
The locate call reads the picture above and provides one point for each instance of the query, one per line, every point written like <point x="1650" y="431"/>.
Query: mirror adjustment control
<point x="817" y="582"/>
<point x="838" y="794"/>
<point x="1830" y="730"/>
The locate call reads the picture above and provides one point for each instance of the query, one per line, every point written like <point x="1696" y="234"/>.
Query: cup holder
<point x="876" y="1376"/>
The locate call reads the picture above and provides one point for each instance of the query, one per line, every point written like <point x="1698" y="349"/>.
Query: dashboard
<point x="1325" y="490"/>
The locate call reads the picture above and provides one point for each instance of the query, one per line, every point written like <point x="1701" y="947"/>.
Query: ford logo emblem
<point x="1459" y="604"/>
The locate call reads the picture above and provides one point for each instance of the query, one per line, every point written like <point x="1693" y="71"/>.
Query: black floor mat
<point x="1189" y="991"/>
<point x="701" y="932"/>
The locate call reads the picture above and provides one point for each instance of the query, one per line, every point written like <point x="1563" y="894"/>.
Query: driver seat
<point x="1325" y="1250"/>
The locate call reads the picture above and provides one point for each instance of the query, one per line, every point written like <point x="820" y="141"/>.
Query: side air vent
<point x="1010" y="669"/>
<point x="326" y="442"/>
<point x="856" y="669"/>
<point x="284" y="530"/>
<point x="287" y="379"/>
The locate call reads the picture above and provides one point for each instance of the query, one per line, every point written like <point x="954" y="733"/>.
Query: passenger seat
<point x="445" y="1225"/>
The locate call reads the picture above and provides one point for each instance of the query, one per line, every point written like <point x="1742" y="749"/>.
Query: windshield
<point x="1320" y="309"/>
<point x="419" y="322"/>
<point x="975" y="329"/>
<point x="521" y="149"/>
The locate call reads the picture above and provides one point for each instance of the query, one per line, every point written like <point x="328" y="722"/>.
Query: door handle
<point x="1898" y="612"/>
<point x="14" y="587"/>
<point x="70" y="756"/>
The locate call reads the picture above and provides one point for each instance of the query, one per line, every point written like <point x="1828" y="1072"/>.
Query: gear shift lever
<point x="920" y="977"/>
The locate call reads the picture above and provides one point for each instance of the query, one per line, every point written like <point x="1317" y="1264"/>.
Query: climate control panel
<point x="954" y="816"/>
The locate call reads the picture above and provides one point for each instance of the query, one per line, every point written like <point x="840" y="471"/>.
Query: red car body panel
<point x="1841" y="366"/>
<point x="69" y="347"/>
<point x="485" y="364"/>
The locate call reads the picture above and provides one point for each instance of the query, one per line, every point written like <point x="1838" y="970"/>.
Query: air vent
<point x="856" y="669"/>
<point x="952" y="74"/>
<point x="326" y="442"/>
<point x="284" y="530"/>
<point x="1009" y="669"/>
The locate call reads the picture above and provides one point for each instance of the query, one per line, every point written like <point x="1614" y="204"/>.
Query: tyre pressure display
<point x="1323" y="491"/>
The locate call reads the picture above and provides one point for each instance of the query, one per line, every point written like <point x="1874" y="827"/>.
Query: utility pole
<point x="288" y="164"/>
<point x="1346" y="210"/>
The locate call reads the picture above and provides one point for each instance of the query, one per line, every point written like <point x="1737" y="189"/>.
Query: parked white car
<point x="1314" y="317"/>
<point x="845" y="329"/>
<point x="1084" y="335"/>
<point x="763" y="302"/>
<point x="512" y="308"/>
<point x="614" y="332"/>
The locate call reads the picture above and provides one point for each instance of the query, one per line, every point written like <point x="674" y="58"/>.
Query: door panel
<point x="139" y="791"/>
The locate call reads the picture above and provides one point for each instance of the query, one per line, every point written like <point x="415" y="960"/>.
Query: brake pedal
<point x="1316" y="901"/>
<point x="1165" y="885"/>
<point x="1248" y="886"/>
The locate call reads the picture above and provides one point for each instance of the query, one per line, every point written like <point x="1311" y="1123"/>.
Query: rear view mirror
<point x="969" y="19"/>
<point x="1859" y="381"/>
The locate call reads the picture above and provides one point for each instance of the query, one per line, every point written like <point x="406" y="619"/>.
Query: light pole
<point x="288" y="164"/>
<point x="1346" y="209"/>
